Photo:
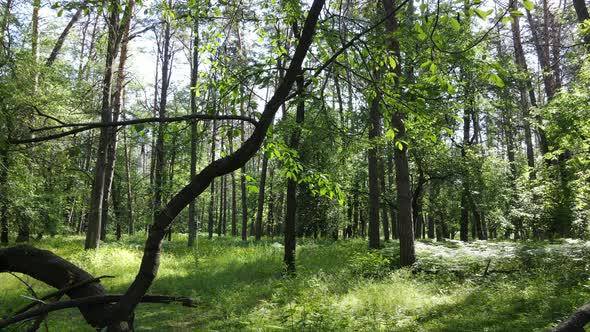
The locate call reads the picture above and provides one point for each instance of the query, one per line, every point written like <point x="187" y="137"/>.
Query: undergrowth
<point x="340" y="286"/>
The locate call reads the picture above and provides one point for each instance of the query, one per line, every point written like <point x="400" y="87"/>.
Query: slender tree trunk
<point x="291" y="214"/>
<point x="159" y="168"/>
<point x="130" y="221"/>
<point x="391" y="182"/>
<point x="35" y="43"/>
<point x="244" y="192"/>
<point x="4" y="164"/>
<point x="221" y="193"/>
<point x="280" y="217"/>
<point x="542" y="48"/>
<point x="212" y="201"/>
<point x="192" y="225"/>
<point x="224" y="215"/>
<point x="96" y="198"/>
<point x="373" y="164"/>
<point x="234" y="201"/>
<point x="261" y="188"/>
<point x="384" y="204"/>
<point x="464" y="224"/>
<point x="116" y="198"/>
<point x="91" y="48"/>
<point x="117" y="105"/>
<point x="355" y="206"/>
<point x="62" y="37"/>
<point x="524" y="93"/>
<point x="402" y="169"/>
<point x="270" y="214"/>
<point x="4" y="24"/>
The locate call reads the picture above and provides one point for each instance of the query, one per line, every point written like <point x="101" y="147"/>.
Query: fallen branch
<point x="102" y="299"/>
<point x="576" y="321"/>
<point x="57" y="272"/>
<point x="60" y="292"/>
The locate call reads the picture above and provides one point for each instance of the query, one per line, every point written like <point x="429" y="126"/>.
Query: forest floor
<point x="480" y="286"/>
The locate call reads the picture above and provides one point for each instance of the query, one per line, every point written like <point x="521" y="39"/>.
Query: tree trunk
<point x="130" y="221"/>
<point x="4" y="165"/>
<point x="355" y="206"/>
<point x="384" y="204"/>
<point x="402" y="170"/>
<point x="5" y="23"/>
<point x="62" y="37"/>
<point x="192" y="224"/>
<point x="35" y="43"/>
<point x="221" y="193"/>
<point x="391" y="182"/>
<point x="261" y="188"/>
<point x="464" y="224"/>
<point x="117" y="104"/>
<point x="234" y="201"/>
<point x="159" y="167"/>
<point x="523" y="87"/>
<point x="291" y="214"/>
<point x="116" y="198"/>
<point x="373" y="164"/>
<point x="96" y="197"/>
<point x="270" y="214"/>
<point x="212" y="200"/>
<point x="244" y="195"/>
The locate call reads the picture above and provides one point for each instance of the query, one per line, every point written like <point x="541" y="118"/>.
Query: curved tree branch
<point x="91" y="125"/>
<point x="151" y="258"/>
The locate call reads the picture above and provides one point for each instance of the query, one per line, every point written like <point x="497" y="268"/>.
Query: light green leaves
<point x="483" y="14"/>
<point x="494" y="78"/>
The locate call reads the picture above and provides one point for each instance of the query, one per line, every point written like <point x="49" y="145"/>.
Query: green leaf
<point x="529" y="5"/>
<point x="392" y="62"/>
<point x="450" y="89"/>
<point x="497" y="80"/>
<point x="433" y="67"/>
<point x="252" y="188"/>
<point x="483" y="14"/>
<point x="421" y="33"/>
<point x="390" y="133"/>
<point x="455" y="24"/>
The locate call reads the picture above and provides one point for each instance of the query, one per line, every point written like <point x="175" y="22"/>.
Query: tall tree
<point x="261" y="189"/>
<point x="192" y="225"/>
<point x="523" y="88"/>
<point x="373" y="164"/>
<point x="96" y="197"/>
<point x="160" y="151"/>
<point x="117" y="100"/>
<point x="402" y="169"/>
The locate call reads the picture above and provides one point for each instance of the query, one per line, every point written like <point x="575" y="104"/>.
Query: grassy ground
<point x="339" y="287"/>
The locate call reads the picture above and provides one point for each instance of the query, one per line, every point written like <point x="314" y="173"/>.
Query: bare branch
<point x="91" y="125"/>
<point x="100" y="299"/>
<point x="60" y="292"/>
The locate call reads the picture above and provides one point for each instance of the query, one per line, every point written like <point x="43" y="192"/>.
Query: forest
<point x="343" y="165"/>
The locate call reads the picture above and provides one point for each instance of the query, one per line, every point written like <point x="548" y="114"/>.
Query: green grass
<point x="339" y="287"/>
